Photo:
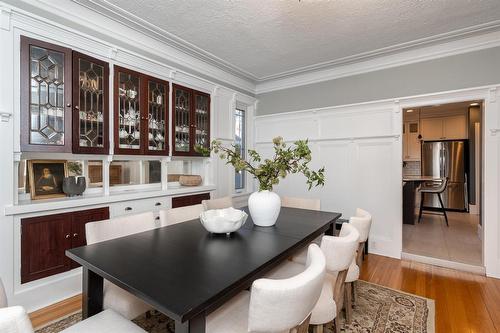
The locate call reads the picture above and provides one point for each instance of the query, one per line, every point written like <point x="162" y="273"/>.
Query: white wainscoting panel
<point x="361" y="153"/>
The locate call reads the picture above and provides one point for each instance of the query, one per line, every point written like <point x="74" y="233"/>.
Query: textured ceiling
<point x="264" y="38"/>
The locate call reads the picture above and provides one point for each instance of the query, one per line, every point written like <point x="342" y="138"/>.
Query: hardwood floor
<point x="465" y="302"/>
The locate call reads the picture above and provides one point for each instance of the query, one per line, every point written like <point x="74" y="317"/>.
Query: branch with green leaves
<point x="286" y="160"/>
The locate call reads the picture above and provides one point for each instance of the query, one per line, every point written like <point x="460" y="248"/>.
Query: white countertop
<point x="30" y="206"/>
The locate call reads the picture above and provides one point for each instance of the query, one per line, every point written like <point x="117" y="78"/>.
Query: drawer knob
<point x="128" y="208"/>
<point x="157" y="218"/>
<point x="75" y="235"/>
<point x="158" y="204"/>
<point x="67" y="236"/>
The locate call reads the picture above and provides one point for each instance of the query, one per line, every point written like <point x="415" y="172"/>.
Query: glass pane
<point x="182" y="121"/>
<point x="94" y="178"/>
<point x="46" y="97"/>
<point x="91" y="104"/>
<point x="129" y="113"/>
<point x="202" y="120"/>
<point x="157" y="102"/>
<point x="134" y="172"/>
<point x="239" y="139"/>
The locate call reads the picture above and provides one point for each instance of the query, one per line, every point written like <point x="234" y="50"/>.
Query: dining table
<point x="185" y="272"/>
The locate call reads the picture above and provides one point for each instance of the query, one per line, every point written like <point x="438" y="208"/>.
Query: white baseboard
<point x="444" y="263"/>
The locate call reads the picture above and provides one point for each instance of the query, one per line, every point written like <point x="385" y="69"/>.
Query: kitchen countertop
<point x="419" y="178"/>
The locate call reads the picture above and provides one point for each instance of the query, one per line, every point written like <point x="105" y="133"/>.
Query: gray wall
<point x="468" y="70"/>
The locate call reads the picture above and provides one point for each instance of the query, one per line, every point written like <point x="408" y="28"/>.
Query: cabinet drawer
<point x="189" y="200"/>
<point x="140" y="206"/>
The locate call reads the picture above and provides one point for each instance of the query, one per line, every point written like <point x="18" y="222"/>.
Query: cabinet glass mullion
<point x="182" y="120"/>
<point x="157" y="116"/>
<point x="129" y="111"/>
<point x="90" y="120"/>
<point x="202" y="120"/>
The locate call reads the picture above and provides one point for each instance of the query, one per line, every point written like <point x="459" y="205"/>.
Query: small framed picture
<point x="46" y="178"/>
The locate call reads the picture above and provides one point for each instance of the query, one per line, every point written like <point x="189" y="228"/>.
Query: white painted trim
<point x="383" y="61"/>
<point x="33" y="14"/>
<point x="444" y="263"/>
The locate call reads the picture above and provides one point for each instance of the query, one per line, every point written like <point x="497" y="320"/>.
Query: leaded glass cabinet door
<point x="201" y="120"/>
<point x="182" y="120"/>
<point x="128" y="109"/>
<point x="45" y="96"/>
<point x="90" y="105"/>
<point x="157" y="117"/>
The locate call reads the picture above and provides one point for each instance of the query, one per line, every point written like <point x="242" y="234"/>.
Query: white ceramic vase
<point x="264" y="208"/>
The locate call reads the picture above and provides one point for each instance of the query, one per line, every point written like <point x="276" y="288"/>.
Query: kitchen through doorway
<point x="442" y="164"/>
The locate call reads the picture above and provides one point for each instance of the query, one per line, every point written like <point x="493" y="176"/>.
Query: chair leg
<point x="336" y="324"/>
<point x="444" y="210"/>
<point x="354" y="293"/>
<point x="318" y="329"/>
<point x="421" y="206"/>
<point x="348" y="302"/>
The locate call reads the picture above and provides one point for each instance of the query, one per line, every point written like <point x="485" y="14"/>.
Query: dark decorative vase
<point x="73" y="186"/>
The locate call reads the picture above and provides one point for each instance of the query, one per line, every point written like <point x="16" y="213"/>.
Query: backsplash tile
<point x="412" y="168"/>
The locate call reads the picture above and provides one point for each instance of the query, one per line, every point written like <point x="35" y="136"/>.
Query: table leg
<point x="195" y="325"/>
<point x="92" y="293"/>
<point x="331" y="230"/>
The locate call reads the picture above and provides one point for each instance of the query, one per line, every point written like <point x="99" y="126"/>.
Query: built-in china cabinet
<point x="190" y="120"/>
<point x="141" y="114"/>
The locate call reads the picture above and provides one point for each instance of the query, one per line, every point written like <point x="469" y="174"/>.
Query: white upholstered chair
<point x="115" y="297"/>
<point x="14" y="319"/>
<point x="180" y="214"/>
<point x="302" y="203"/>
<point x="279" y="306"/>
<point x="220" y="203"/>
<point x="362" y="221"/>
<point x="339" y="253"/>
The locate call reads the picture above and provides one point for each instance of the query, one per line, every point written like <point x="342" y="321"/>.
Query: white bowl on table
<point x="223" y="221"/>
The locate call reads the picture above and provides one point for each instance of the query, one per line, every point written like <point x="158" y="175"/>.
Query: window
<point x="240" y="140"/>
<point x="134" y="172"/>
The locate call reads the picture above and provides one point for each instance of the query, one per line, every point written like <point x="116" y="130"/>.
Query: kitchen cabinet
<point x="190" y="120"/>
<point x="189" y="200"/>
<point x="44" y="240"/>
<point x="141" y="114"/>
<point x="90" y="105"/>
<point x="411" y="141"/>
<point x="45" y="78"/>
<point x="444" y="128"/>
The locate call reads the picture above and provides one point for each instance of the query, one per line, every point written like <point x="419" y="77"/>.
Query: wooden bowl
<point x="190" y="180"/>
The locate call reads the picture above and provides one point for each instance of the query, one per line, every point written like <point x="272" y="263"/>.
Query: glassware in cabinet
<point x="182" y="120"/>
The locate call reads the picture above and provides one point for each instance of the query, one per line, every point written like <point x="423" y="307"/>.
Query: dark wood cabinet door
<point x="189" y="200"/>
<point x="90" y="105"/>
<point x="79" y="220"/>
<point x="182" y="123"/>
<point x="201" y="121"/>
<point x="44" y="240"/>
<point x="128" y="115"/>
<point x="45" y="97"/>
<point x="156" y="117"/>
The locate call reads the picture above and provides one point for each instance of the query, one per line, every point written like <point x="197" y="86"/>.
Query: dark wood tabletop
<point x="185" y="272"/>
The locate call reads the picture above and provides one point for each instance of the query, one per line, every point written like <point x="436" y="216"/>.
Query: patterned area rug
<point x="379" y="310"/>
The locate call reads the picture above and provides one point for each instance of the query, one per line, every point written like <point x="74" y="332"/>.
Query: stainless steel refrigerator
<point x="446" y="159"/>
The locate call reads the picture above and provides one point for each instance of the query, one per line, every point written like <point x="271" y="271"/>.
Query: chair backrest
<point x="180" y="214"/>
<point x="340" y="251"/>
<point x="3" y="296"/>
<point x="362" y="222"/>
<point x="220" y="203"/>
<point x="302" y="203"/>
<point x="119" y="227"/>
<point x="14" y="319"/>
<point x="298" y="295"/>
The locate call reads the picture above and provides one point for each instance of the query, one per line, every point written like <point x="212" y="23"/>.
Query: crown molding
<point x="136" y="23"/>
<point x="440" y="48"/>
